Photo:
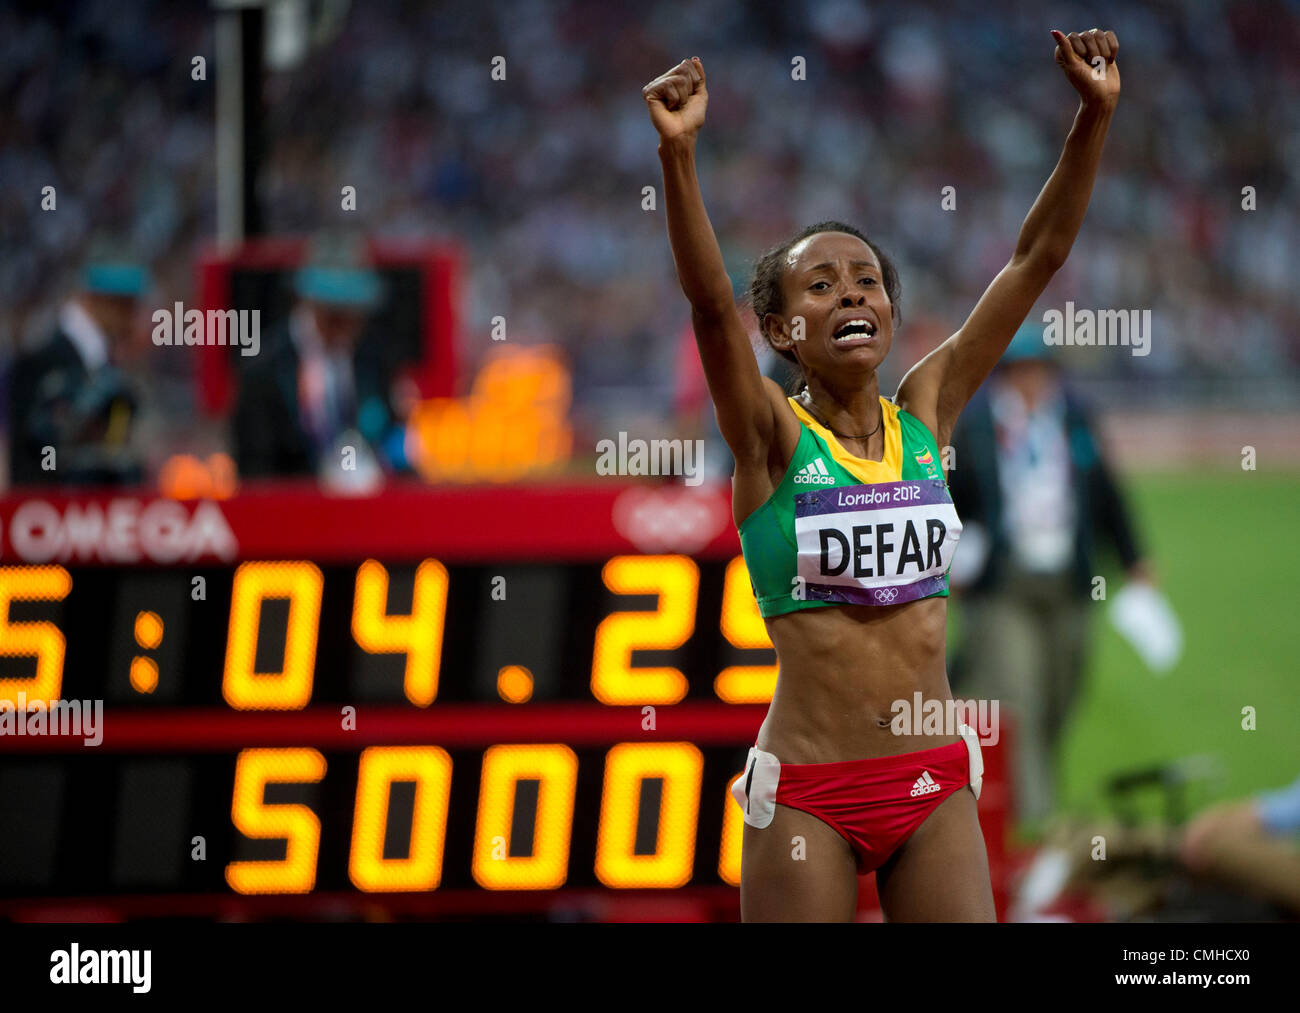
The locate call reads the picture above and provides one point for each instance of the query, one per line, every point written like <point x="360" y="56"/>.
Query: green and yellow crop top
<point x="842" y="530"/>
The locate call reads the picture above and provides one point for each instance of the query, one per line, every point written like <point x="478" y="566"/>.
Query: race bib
<point x="876" y="544"/>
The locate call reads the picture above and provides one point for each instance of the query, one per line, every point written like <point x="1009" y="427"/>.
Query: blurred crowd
<point x="540" y="176"/>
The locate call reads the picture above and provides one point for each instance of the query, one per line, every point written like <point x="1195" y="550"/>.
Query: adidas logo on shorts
<point x="925" y="784"/>
<point x="814" y="473"/>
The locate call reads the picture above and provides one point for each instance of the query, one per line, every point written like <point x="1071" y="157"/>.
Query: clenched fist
<point x="1088" y="59"/>
<point x="677" y="100"/>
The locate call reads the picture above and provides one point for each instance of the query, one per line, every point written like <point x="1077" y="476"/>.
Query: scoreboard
<point x="445" y="702"/>
<point x="467" y="690"/>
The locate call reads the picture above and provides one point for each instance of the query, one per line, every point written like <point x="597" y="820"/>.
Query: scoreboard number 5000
<point x="553" y="765"/>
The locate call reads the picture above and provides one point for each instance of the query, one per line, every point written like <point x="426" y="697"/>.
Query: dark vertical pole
<point x="252" y="34"/>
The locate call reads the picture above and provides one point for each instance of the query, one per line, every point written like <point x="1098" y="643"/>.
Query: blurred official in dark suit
<point x="1037" y="499"/>
<point x="71" y="408"/>
<point x="316" y="386"/>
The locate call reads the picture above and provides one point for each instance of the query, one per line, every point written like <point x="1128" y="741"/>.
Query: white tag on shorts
<point x="976" y="758"/>
<point x="755" y="789"/>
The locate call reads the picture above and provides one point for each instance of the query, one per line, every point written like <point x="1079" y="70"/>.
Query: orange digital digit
<point x="743" y="627"/>
<point x="290" y="688"/>
<point x="41" y="640"/>
<point x="733" y="827"/>
<point x="430" y="768"/>
<point x="676" y="580"/>
<point x="679" y="766"/>
<point x="296" y="824"/>
<point x="418" y="634"/>
<point x="555" y="768"/>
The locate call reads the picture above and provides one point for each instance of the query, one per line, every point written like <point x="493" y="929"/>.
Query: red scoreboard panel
<point x="514" y="702"/>
<point x="417" y="317"/>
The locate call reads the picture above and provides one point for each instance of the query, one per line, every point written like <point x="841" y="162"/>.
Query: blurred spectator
<point x="1250" y="845"/>
<point x="71" y="408"/>
<point x="316" y="387"/>
<point x="539" y="176"/>
<point x="1036" y="497"/>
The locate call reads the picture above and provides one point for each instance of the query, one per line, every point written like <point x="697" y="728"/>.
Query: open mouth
<point x="851" y="329"/>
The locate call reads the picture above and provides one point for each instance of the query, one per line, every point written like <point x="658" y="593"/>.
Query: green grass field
<point x="1226" y="550"/>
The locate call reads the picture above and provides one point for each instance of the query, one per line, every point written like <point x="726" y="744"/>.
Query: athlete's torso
<point x="843" y="530"/>
<point x="842" y="664"/>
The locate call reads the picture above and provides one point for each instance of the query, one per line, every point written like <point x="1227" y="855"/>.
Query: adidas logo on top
<point x="814" y="473"/>
<point x="925" y="784"/>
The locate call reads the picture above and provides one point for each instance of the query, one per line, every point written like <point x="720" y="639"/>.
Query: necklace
<point x="808" y="398"/>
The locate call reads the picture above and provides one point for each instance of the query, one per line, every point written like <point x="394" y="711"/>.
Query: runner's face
<point x="834" y="283"/>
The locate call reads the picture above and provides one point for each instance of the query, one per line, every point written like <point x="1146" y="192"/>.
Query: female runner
<point x="847" y="527"/>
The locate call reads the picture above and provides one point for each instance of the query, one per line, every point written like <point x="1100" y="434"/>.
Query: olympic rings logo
<point x="885" y="594"/>
<point x="662" y="520"/>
